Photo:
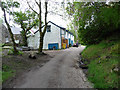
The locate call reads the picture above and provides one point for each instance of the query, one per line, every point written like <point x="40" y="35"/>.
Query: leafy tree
<point x="5" y="6"/>
<point x="27" y="20"/>
<point x="70" y="27"/>
<point x="96" y="20"/>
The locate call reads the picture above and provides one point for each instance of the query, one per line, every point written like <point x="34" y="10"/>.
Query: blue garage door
<point x="53" y="46"/>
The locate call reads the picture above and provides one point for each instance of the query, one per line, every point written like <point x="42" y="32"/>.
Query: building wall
<point x="33" y="41"/>
<point x="49" y="38"/>
<point x="52" y="37"/>
<point x="56" y="35"/>
<point x="72" y="38"/>
<point x="6" y="36"/>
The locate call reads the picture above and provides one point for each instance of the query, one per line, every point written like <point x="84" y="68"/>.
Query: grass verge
<point x="6" y="73"/>
<point x="103" y="61"/>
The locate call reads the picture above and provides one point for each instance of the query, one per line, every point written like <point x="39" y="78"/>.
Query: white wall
<point x="72" y="38"/>
<point x="50" y="37"/>
<point x="33" y="41"/>
<point x="63" y="33"/>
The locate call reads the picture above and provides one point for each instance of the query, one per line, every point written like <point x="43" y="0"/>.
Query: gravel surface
<point x="60" y="72"/>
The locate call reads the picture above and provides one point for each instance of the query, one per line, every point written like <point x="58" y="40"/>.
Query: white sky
<point x="54" y="18"/>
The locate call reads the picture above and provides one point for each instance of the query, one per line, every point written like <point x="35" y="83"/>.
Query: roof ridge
<point x="57" y="26"/>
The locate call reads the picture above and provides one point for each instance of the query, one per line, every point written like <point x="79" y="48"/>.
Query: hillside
<point x="102" y="60"/>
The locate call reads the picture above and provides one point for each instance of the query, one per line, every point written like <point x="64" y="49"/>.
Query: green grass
<point x="102" y="58"/>
<point x="0" y="47"/>
<point x="6" y="75"/>
<point x="7" y="72"/>
<point x="10" y="52"/>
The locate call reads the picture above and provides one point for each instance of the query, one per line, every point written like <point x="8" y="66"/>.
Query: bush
<point x="10" y="52"/>
<point x="104" y="25"/>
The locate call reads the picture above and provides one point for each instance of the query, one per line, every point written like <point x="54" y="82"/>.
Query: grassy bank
<point x="103" y="60"/>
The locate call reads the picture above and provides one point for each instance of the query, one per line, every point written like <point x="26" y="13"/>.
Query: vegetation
<point x="33" y="19"/>
<point x="6" y="8"/>
<point x="27" y="20"/>
<point x="95" y="20"/>
<point x="103" y="60"/>
<point x="11" y="52"/>
<point x="7" y="72"/>
<point x="1" y="47"/>
<point x="70" y="27"/>
<point x="42" y="32"/>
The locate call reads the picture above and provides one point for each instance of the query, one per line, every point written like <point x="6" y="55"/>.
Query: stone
<point x="116" y="69"/>
<point x="32" y="55"/>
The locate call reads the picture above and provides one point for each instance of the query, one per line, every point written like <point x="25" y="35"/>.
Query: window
<point x="49" y="28"/>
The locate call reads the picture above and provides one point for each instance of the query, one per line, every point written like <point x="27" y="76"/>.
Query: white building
<point x="54" y="37"/>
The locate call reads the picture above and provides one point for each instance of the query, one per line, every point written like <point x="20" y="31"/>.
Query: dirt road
<point x="59" y="72"/>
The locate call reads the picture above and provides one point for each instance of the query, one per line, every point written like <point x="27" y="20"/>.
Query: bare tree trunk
<point x="41" y="44"/>
<point x="40" y="31"/>
<point x="42" y="34"/>
<point x="10" y="32"/>
<point x="24" y="38"/>
<point x="24" y="33"/>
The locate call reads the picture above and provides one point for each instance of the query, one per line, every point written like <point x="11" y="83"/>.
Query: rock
<point x="32" y="55"/>
<point x="111" y="71"/>
<point x="116" y="69"/>
<point x="83" y="66"/>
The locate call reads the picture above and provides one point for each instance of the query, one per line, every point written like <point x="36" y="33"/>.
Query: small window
<point x="49" y="28"/>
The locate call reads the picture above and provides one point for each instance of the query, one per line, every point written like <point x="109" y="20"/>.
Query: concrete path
<point x="59" y="72"/>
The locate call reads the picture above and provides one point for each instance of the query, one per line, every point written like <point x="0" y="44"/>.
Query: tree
<point x="96" y="20"/>
<point x="27" y="20"/>
<point x="42" y="33"/>
<point x="5" y="6"/>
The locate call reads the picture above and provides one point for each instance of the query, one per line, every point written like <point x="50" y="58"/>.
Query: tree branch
<point x="37" y="3"/>
<point x="30" y="27"/>
<point x="31" y="8"/>
<point x="9" y="29"/>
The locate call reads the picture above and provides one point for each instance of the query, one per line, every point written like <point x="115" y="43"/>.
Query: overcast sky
<point x="50" y="17"/>
<point x="51" y="5"/>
